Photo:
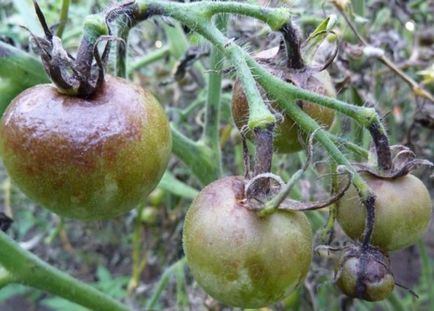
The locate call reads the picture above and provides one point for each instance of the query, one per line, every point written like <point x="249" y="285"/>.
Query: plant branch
<point x="148" y="59"/>
<point x="212" y="113"/>
<point x="367" y="117"/>
<point x="197" y="18"/>
<point x="5" y="278"/>
<point x="354" y="148"/>
<point x="29" y="270"/>
<point x="63" y="17"/>
<point x="196" y="155"/>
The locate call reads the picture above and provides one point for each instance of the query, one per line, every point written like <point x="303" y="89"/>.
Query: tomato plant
<point x="288" y="137"/>
<point x="92" y="145"/>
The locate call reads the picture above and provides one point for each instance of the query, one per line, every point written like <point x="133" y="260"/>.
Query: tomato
<point x="402" y="211"/>
<point x="237" y="257"/>
<point x="287" y="134"/>
<point x="86" y="158"/>
<point x="365" y="275"/>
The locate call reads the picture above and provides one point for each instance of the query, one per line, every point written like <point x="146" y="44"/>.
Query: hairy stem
<point x="213" y="103"/>
<point x="148" y="59"/>
<point x="29" y="270"/>
<point x="195" y="17"/>
<point x="274" y="17"/>
<point x="292" y="44"/>
<point x="5" y="278"/>
<point x="382" y="148"/>
<point x="94" y="27"/>
<point x="196" y="155"/>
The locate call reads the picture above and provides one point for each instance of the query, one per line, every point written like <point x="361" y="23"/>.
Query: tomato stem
<point x="27" y="269"/>
<point x="211" y="134"/>
<point x="6" y="278"/>
<point x="292" y="44"/>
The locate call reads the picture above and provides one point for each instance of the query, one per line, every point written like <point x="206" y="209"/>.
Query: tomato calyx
<point x="403" y="162"/>
<point x="75" y="76"/>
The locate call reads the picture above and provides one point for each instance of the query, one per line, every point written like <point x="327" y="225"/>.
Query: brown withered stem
<point x="292" y="42"/>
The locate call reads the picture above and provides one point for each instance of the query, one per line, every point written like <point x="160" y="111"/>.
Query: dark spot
<point x="5" y="222"/>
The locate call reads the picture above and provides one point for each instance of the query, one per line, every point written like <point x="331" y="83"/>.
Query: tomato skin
<point x="287" y="134"/>
<point x="402" y="212"/>
<point x="241" y="259"/>
<point x="86" y="158"/>
<point x="376" y="282"/>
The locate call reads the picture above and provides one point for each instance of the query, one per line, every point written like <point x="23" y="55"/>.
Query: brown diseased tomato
<point x="366" y="276"/>
<point x="402" y="211"/>
<point x="287" y="134"/>
<point x="86" y="158"/>
<point x="239" y="258"/>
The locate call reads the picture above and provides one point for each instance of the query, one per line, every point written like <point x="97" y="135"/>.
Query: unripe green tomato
<point x="403" y="210"/>
<point x="239" y="258"/>
<point x="86" y="158"/>
<point x="375" y="283"/>
<point x="287" y="134"/>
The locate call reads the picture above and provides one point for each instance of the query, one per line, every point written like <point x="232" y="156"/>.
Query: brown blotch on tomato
<point x="86" y="158"/>
<point x="288" y="137"/>
<point x="239" y="258"/>
<point x="403" y="210"/>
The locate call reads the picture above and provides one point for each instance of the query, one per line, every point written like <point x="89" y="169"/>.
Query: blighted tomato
<point x="365" y="275"/>
<point x="402" y="211"/>
<point x="86" y="158"/>
<point x="239" y="258"/>
<point x="287" y="134"/>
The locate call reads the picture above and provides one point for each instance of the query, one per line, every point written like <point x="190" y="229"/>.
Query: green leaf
<point x="20" y="67"/>
<point x="321" y="33"/>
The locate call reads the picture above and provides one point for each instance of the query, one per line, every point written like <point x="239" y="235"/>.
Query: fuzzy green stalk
<point x="272" y="205"/>
<point x="29" y="270"/>
<point x="5" y="278"/>
<point x="172" y="185"/>
<point x="274" y="17"/>
<point x="94" y="27"/>
<point x="63" y="17"/>
<point x="194" y="17"/>
<point x="212" y="113"/>
<point x="148" y="59"/>
<point x="360" y="152"/>
<point x="305" y="122"/>
<point x="196" y="155"/>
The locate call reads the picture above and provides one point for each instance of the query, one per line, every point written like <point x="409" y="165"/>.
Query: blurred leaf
<point x="20" y="67"/>
<point x="27" y="15"/>
<point x="321" y="33"/>
<point x="57" y="303"/>
<point x="427" y="75"/>
<point x="114" y="287"/>
<point x="12" y="290"/>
